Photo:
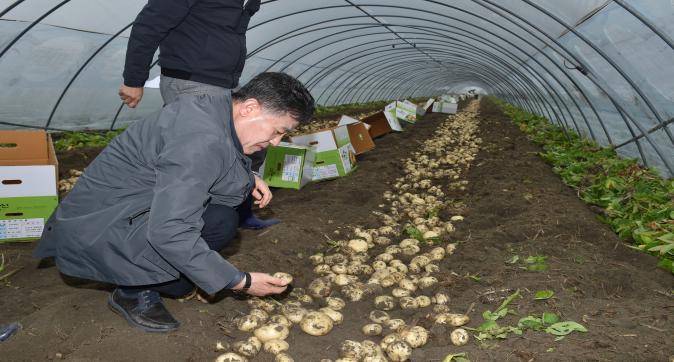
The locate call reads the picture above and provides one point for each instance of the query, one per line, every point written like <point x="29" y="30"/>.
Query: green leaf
<point x="559" y="338"/>
<point x="550" y="318"/>
<point x="530" y="322"/>
<point x="564" y="328"/>
<point x="543" y="294"/>
<point x="551" y="349"/>
<point x="487" y="326"/>
<point x="457" y="357"/>
<point x="513" y="260"/>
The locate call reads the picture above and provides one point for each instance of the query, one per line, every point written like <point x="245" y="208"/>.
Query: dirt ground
<point x="514" y="205"/>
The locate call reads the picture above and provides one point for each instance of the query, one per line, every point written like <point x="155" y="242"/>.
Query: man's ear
<point x="248" y="107"/>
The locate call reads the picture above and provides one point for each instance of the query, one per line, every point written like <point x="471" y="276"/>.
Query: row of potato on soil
<point x="376" y="264"/>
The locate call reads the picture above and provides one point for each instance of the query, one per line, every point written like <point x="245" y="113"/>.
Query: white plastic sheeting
<point x="600" y="68"/>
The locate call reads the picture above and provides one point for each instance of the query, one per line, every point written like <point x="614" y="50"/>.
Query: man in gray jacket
<point x="151" y="212"/>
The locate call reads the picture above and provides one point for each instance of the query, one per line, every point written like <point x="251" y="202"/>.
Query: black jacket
<point x="204" y="40"/>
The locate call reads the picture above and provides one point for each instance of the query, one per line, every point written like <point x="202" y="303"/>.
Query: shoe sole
<point x="119" y="310"/>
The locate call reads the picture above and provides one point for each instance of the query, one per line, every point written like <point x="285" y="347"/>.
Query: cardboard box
<point x="426" y="108"/>
<point x="288" y="166"/>
<point x="28" y="184"/>
<point x="379" y="124"/>
<point x="397" y="111"/>
<point x="361" y="140"/>
<point x="334" y="152"/>
<point x="445" y="107"/>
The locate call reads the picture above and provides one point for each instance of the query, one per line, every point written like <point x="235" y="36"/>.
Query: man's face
<point x="257" y="127"/>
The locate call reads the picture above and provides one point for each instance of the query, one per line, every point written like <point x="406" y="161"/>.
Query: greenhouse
<point x="467" y="180"/>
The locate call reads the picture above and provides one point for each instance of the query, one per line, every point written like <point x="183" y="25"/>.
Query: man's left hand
<point x="261" y="192"/>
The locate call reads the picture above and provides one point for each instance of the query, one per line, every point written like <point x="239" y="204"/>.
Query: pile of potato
<point x="322" y="124"/>
<point x="66" y="185"/>
<point x="380" y="265"/>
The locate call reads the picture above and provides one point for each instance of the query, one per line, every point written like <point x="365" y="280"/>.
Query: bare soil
<point x="514" y="205"/>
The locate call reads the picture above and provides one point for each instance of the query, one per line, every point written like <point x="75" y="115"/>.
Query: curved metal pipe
<point x="10" y="7"/>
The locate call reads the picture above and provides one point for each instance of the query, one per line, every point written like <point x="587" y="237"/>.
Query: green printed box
<point x="23" y="218"/>
<point x="334" y="154"/>
<point x="288" y="166"/>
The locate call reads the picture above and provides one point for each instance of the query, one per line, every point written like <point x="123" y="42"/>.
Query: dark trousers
<point x="220" y="225"/>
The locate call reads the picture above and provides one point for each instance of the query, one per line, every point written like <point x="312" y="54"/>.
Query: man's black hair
<point x="279" y="93"/>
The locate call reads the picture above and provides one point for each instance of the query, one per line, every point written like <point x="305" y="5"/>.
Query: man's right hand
<point x="131" y="96"/>
<point x="263" y="284"/>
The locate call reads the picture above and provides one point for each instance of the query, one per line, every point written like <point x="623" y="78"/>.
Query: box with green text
<point x="288" y="166"/>
<point x="334" y="153"/>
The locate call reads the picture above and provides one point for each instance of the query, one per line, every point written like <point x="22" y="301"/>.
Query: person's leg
<point x="142" y="306"/>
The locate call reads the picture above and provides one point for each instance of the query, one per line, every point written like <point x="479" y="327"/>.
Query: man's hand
<point x="261" y="192"/>
<point x="131" y="96"/>
<point x="263" y="284"/>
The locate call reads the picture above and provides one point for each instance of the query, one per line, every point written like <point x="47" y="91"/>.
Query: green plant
<point x="67" y="141"/>
<point x="634" y="201"/>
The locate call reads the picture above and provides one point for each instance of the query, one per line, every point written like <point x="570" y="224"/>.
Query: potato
<point x="408" y="242"/>
<point x="440" y="298"/>
<point x="408" y="303"/>
<point x="291" y="304"/>
<point x="400" y="292"/>
<point x="336" y="258"/>
<point x="410" y="250"/>
<point x="379" y="316"/>
<point x="416" y="336"/>
<point x="423" y="301"/>
<point x="305" y="298"/>
<point x="283" y="357"/>
<point x="249" y="348"/>
<point x="339" y="268"/>
<point x="385" y="257"/>
<point x="342" y="279"/>
<point x="275" y="346"/>
<point x="431" y="269"/>
<point x="335" y="303"/>
<point x="351" y="349"/>
<point x="221" y="346"/>
<point x="316" y="259"/>
<point x="388" y="339"/>
<point x="421" y="260"/>
<point x="280" y="319"/>
<point x="336" y="316"/>
<point x="372" y="329"/>
<point x="456" y="218"/>
<point x="379" y="265"/>
<point x="398" y="351"/>
<point x="387" y="281"/>
<point x="284" y="276"/>
<point x="384" y="302"/>
<point x="449" y="228"/>
<point x="322" y="269"/>
<point x="437" y="254"/>
<point x="382" y="240"/>
<point x="247" y="323"/>
<point x="393" y="249"/>
<point x="427" y="282"/>
<point x="430" y="234"/>
<point x="354" y="291"/>
<point x="316" y="323"/>
<point x="260" y="314"/>
<point x="294" y="314"/>
<point x="407" y="285"/>
<point x="440" y="308"/>
<point x="231" y="357"/>
<point x="450" y="249"/>
<point x="394" y="324"/>
<point x="358" y="245"/>
<point x="319" y="288"/>
<point x="453" y="319"/>
<point x="257" y="303"/>
<point x="271" y="331"/>
<point x="459" y="337"/>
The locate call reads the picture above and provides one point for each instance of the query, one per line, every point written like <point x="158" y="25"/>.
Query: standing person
<point x="151" y="212"/>
<point x="202" y="48"/>
<point x="199" y="41"/>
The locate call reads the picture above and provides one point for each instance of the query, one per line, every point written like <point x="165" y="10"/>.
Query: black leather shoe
<point x="143" y="310"/>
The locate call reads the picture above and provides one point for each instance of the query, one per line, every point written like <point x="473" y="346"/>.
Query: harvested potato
<point x="421" y="260"/>
<point x="453" y="319"/>
<point x="280" y="319"/>
<point x="271" y="331"/>
<point x="275" y="346"/>
<point x="427" y="282"/>
<point x="410" y="250"/>
<point x="379" y="265"/>
<point x="399" y="351"/>
<point x="283" y="357"/>
<point x="423" y="301"/>
<point x="316" y="323"/>
<point x="336" y="316"/>
<point x="294" y="314"/>
<point x="319" y="288"/>
<point x="284" y="276"/>
<point x="316" y="259"/>
<point x="257" y="303"/>
<point x="407" y="285"/>
<point x="400" y="292"/>
<point x="408" y="303"/>
<point x="394" y="324"/>
<point x="336" y="258"/>
<point x="431" y="269"/>
<point x="335" y="303"/>
<point x="408" y="242"/>
<point x="221" y="346"/>
<point x="440" y="298"/>
<point x="351" y="349"/>
<point x="450" y="249"/>
<point x="385" y="257"/>
<point x="372" y="329"/>
<point x="322" y="269"/>
<point x="247" y="323"/>
<point x="440" y="308"/>
<point x="231" y="357"/>
<point x="359" y="245"/>
<point x="342" y="279"/>
<point x="249" y="348"/>
<point x="354" y="291"/>
<point x="339" y="269"/>
<point x="430" y="234"/>
<point x="260" y="314"/>
<point x="459" y="337"/>
<point x="382" y="240"/>
<point x="379" y="317"/>
<point x="416" y="336"/>
<point x="388" y="339"/>
<point x="437" y="254"/>
<point x="384" y="302"/>
<point x="305" y="298"/>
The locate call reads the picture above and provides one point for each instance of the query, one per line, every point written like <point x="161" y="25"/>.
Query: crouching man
<point x="152" y="211"/>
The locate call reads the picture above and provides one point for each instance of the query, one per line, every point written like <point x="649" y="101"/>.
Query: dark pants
<point x="220" y="225"/>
